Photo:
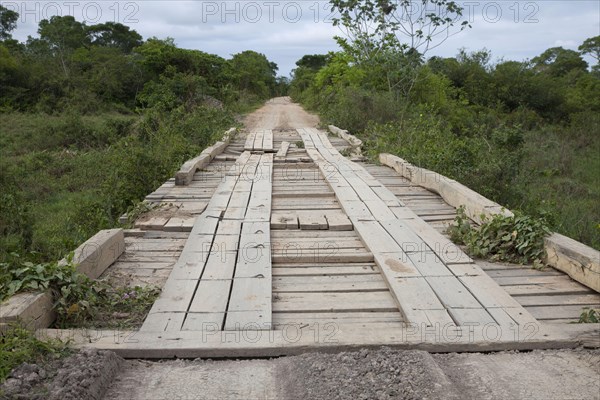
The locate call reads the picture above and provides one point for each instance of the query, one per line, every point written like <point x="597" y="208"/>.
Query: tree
<point x="113" y="34"/>
<point x="313" y="61"/>
<point x="63" y="35"/>
<point x="558" y="62"/>
<point x="390" y="38"/>
<point x="8" y="22"/>
<point x="373" y="26"/>
<point x="591" y="46"/>
<point x="253" y="73"/>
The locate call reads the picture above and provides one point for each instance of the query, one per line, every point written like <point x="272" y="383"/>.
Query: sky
<point x="285" y="30"/>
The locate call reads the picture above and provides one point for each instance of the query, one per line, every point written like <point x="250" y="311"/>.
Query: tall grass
<point x="62" y="178"/>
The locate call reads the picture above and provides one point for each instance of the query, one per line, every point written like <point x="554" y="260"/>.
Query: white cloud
<point x="285" y="30"/>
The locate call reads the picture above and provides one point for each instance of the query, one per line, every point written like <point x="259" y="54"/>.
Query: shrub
<point x="518" y="238"/>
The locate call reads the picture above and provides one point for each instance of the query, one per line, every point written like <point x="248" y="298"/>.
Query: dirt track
<point x="280" y="114"/>
<point x="369" y="374"/>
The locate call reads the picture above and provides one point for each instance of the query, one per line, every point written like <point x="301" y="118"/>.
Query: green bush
<point x="518" y="238"/>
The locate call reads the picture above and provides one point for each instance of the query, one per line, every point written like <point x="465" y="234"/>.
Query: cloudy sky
<point x="285" y="30"/>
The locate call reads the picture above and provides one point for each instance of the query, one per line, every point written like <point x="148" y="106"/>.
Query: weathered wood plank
<point x="267" y="144"/>
<point x="283" y="150"/>
<point x="334" y="302"/>
<point x="249" y="144"/>
<point x="312" y="221"/>
<point x="329" y="283"/>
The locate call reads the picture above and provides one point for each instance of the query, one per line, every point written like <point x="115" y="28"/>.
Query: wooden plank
<point x="556" y="312"/>
<point x="34" y="310"/>
<point x="312" y="221"/>
<point x="452" y="293"/>
<point x="214" y="344"/>
<point x="211" y="296"/>
<point x="179" y="224"/>
<point x="203" y="321"/>
<point x="546" y="289"/>
<point x="283" y="150"/>
<point x="490" y="295"/>
<point x="97" y="253"/>
<point x="579" y="261"/>
<point x="163" y="322"/>
<point x="376" y="238"/>
<point x="333" y="302"/>
<point x="250" y="303"/>
<point x="329" y="270"/>
<point x="153" y="223"/>
<point x="338" y="222"/>
<point x="560" y="280"/>
<point x="249" y="144"/>
<point x="329" y="283"/>
<point x="419" y="303"/>
<point x="295" y="255"/>
<point x="259" y="140"/>
<point x="309" y="243"/>
<point x="283" y="318"/>
<point x="251" y="292"/>
<point x="558" y="300"/>
<point x="471" y="316"/>
<point x="313" y="235"/>
<point x="186" y="173"/>
<point x="281" y="220"/>
<point x="267" y="144"/>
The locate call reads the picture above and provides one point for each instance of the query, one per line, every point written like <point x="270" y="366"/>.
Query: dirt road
<point x="369" y="374"/>
<point x="280" y="114"/>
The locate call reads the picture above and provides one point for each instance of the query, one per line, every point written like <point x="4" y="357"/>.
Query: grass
<point x="19" y="345"/>
<point x="560" y="178"/>
<point x="63" y="178"/>
<point x="553" y="173"/>
<point x="117" y="308"/>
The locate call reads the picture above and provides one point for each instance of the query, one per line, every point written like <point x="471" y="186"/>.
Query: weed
<point x="346" y="152"/>
<point x="141" y="208"/>
<point x="589" y="316"/>
<point x="79" y="302"/>
<point x="300" y="144"/>
<point x="518" y="238"/>
<point x="122" y="308"/>
<point x="19" y="345"/>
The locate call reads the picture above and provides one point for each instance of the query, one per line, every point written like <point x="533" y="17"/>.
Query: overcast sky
<point x="286" y="30"/>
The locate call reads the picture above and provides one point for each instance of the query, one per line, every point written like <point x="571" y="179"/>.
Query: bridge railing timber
<point x="184" y="176"/>
<point x="580" y="262"/>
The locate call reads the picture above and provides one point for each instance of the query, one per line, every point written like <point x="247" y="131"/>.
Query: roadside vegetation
<point x="19" y="345"/>
<point x="93" y="118"/>
<point x="523" y="133"/>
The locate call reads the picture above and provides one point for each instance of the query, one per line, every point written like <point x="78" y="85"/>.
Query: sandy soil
<point x="280" y="114"/>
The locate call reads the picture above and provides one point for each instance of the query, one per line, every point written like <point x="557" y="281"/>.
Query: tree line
<point x="95" y="117"/>
<point x="524" y="133"/>
<point x="109" y="66"/>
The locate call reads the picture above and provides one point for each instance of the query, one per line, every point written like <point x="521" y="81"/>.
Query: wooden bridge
<point x="276" y="243"/>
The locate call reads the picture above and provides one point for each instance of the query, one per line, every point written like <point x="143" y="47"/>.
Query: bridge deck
<point x="344" y="247"/>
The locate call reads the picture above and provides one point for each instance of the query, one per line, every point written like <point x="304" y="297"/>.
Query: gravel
<point x="84" y="375"/>
<point x="365" y="374"/>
